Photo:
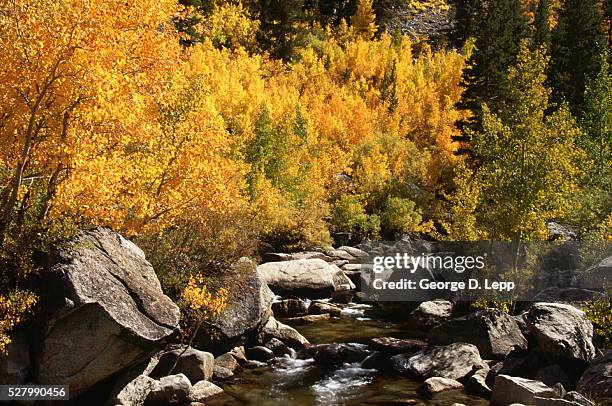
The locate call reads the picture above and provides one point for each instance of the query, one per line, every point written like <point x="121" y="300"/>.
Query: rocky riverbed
<point x="297" y="332"/>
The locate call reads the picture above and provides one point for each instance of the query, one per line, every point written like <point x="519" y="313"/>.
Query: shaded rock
<point x="313" y="318"/>
<point x="435" y="385"/>
<point x="477" y="383"/>
<point x="455" y="361"/>
<point x="220" y="373"/>
<point x="290" y="308"/>
<point x="260" y="353"/>
<point x="556" y="402"/>
<point x="15" y="362"/>
<point x="596" y="381"/>
<point x="135" y="392"/>
<point x="196" y="365"/>
<point x="227" y="361"/>
<point x="114" y="316"/>
<point x="596" y="277"/>
<point x="431" y="314"/>
<point x="173" y="389"/>
<point x="312" y="278"/>
<point x="288" y="335"/>
<point x="324" y="308"/>
<point x="510" y="366"/>
<point x="239" y="354"/>
<point x="377" y="360"/>
<point x="277" y="257"/>
<point x="553" y="374"/>
<point x="278" y="347"/>
<point x="337" y="354"/>
<point x="249" y="309"/>
<point x="392" y="345"/>
<point x="494" y="332"/>
<point x="204" y="391"/>
<point x="563" y="333"/>
<point x="509" y="389"/>
<point x="577" y="398"/>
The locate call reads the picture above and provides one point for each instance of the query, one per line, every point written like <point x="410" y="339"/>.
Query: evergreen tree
<point x="466" y="17"/>
<point x="542" y="32"/>
<point x="528" y="174"/>
<point x="280" y="30"/>
<point x="498" y="38"/>
<point x="576" y="45"/>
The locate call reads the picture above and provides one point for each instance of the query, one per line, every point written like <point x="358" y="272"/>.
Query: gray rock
<point x="355" y="252"/>
<point x="278" y="347"/>
<point x="277" y="257"/>
<point x="510" y="389"/>
<point x="246" y="313"/>
<point x="118" y="314"/>
<point x="455" y="361"/>
<point x="477" y="383"/>
<point x="173" y="389"/>
<point x="435" y="385"/>
<point x="220" y="373"/>
<point x="494" y="332"/>
<point x="15" y="362"/>
<point x="135" y="392"/>
<point x="324" y="308"/>
<point x="227" y="361"/>
<point x="392" y="345"/>
<point x="431" y="314"/>
<point x="312" y="278"/>
<point x="239" y="354"/>
<point x="260" y="353"/>
<point x="554" y="402"/>
<point x="596" y="381"/>
<point x="204" y="391"/>
<point x="577" y="398"/>
<point x="290" y="308"/>
<point x="339" y="254"/>
<point x="563" y="333"/>
<point x="337" y="354"/>
<point x="288" y="335"/>
<point x="595" y="277"/>
<point x="310" y="319"/>
<point x="560" y="232"/>
<point x="196" y="365"/>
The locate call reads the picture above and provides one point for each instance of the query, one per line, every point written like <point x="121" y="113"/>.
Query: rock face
<point x="173" y="389"/>
<point x="494" y="332"/>
<point x="135" y="392"/>
<point x="249" y="309"/>
<point x="114" y="313"/>
<point x="596" y="381"/>
<point x="510" y="389"/>
<point x="455" y="361"/>
<point x="563" y="333"/>
<point x="431" y="314"/>
<point x="312" y="278"/>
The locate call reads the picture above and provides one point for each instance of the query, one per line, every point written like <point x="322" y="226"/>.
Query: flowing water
<point x="302" y="382"/>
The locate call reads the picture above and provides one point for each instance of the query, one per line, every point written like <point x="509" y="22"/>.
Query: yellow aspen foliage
<point x="13" y="310"/>
<point x="364" y="20"/>
<point x="199" y="300"/>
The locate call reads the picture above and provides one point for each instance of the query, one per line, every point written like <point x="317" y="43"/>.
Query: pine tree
<point x="466" y="17"/>
<point x="280" y="32"/>
<point x="576" y="45"/>
<point x="542" y="32"/>
<point x="364" y="20"/>
<point x="528" y="171"/>
<point x="498" y="38"/>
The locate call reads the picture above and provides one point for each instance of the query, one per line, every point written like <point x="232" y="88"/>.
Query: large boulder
<point x="431" y="314"/>
<point x="596" y="381"/>
<point x="455" y="361"/>
<point x="107" y="311"/>
<point x="312" y="278"/>
<point x="563" y="333"/>
<point x="495" y="333"/>
<point x="510" y="389"/>
<point x="249" y="308"/>
<point x="135" y="392"/>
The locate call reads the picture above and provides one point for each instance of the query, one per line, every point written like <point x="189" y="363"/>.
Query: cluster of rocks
<point x="109" y="321"/>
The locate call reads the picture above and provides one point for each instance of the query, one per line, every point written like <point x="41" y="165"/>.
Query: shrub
<point x="600" y="314"/>
<point x="400" y="216"/>
<point x="349" y="216"/>
<point x="13" y="309"/>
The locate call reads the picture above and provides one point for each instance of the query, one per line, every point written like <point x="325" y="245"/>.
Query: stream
<point x="302" y="382"/>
